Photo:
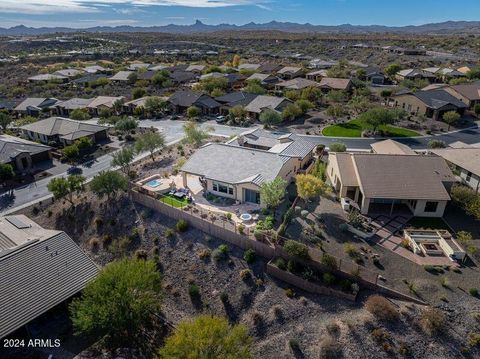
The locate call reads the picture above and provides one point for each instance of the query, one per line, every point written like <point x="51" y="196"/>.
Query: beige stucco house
<point x="386" y="182"/>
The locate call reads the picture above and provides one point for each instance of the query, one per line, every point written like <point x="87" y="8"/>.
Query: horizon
<point x="147" y="13"/>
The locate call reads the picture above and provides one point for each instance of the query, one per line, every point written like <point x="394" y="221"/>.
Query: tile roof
<point x="74" y="103"/>
<point x="236" y="98"/>
<point x="298" y="83"/>
<point x="289" y="70"/>
<point x="467" y="158"/>
<point x="335" y="83"/>
<point x="391" y="147"/>
<point x="470" y="91"/>
<point x="248" y="165"/>
<point x="263" y="102"/>
<point x="38" y="273"/>
<point x="35" y="102"/>
<point x="11" y="146"/>
<point x="61" y="126"/>
<point x="121" y="76"/>
<point x="107" y="101"/>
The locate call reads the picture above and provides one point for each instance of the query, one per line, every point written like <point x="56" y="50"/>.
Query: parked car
<point x="220" y="119"/>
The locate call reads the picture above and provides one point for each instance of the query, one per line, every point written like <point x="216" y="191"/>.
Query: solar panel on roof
<point x="17" y="222"/>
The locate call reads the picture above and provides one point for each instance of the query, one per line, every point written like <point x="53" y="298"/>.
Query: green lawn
<point x="427" y="223"/>
<point x="354" y="128"/>
<point x="174" y="201"/>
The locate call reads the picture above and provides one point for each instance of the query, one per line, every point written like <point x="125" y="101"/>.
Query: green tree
<point x="6" y="172"/>
<point x="193" y="112"/>
<point x="5" y="120"/>
<point x="236" y="60"/>
<point x="213" y="83"/>
<point x="476" y="109"/>
<point x="255" y="87"/>
<point x="335" y="111"/>
<point x="79" y="114"/>
<point x="376" y="117"/>
<point x="123" y="159"/>
<point x="237" y="113"/>
<point x="108" y="183"/>
<point x="474" y="74"/>
<point x="309" y="186"/>
<point x="118" y="105"/>
<point x="62" y="187"/>
<point x="83" y="144"/>
<point x="269" y="118"/>
<point x="436" y="144"/>
<point x="359" y="104"/>
<point x="194" y="134"/>
<point x="126" y="124"/>
<point x="208" y="337"/>
<point x="161" y="78"/>
<point x="337" y="147"/>
<point x="138" y="92"/>
<point x="150" y="142"/>
<point x="392" y="69"/>
<point x="451" y="118"/>
<point x="304" y="105"/>
<point x="132" y="78"/>
<point x="291" y="112"/>
<point x="272" y="193"/>
<point x="336" y="96"/>
<point x="312" y="94"/>
<point x="120" y="303"/>
<point x="155" y="105"/>
<point x="71" y="153"/>
<point x="216" y="92"/>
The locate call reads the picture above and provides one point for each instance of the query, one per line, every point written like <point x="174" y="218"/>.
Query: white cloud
<point x="61" y="6"/>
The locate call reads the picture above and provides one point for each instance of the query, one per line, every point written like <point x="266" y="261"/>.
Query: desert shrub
<point x="141" y="254"/>
<point x="294" y="344"/>
<point x="241" y="228"/>
<point x="204" y="253"/>
<point x="444" y="282"/>
<point x="328" y="278"/>
<point x="193" y="291"/>
<point x="289" y="292"/>
<point x="296" y="249"/>
<point x="249" y="256"/>
<point x="329" y="261"/>
<point x="181" y="225"/>
<point x="169" y="233"/>
<point x="292" y="266"/>
<point x="221" y="252"/>
<point x="280" y="263"/>
<point x="473" y="292"/>
<point x="245" y="274"/>
<point x="330" y="348"/>
<point x="381" y="308"/>
<point x="433" y="321"/>
<point x="474" y="340"/>
<point x="333" y="328"/>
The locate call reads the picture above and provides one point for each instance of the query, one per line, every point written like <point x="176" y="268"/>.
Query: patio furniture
<point x="179" y="194"/>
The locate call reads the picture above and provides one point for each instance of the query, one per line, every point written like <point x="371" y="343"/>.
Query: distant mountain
<point x="448" y="27"/>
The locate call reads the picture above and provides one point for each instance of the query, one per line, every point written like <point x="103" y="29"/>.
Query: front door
<point x="252" y="196"/>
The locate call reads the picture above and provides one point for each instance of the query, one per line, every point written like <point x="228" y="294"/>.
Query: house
<point x="280" y="142"/>
<point x="444" y="73"/>
<point x="121" y="76"/>
<point x="130" y="106"/>
<point x="385" y="182"/>
<point x="22" y="154"/>
<point x="33" y="106"/>
<point x="195" y="68"/>
<point x="69" y="72"/>
<point x="7" y="105"/>
<point x="41" y="268"/>
<point x="87" y="79"/>
<point x="232" y="99"/>
<point x="48" y="78"/>
<point x="63" y="131"/>
<point x="181" y="100"/>
<point x="97" y="69"/>
<point x="391" y="147"/>
<point x="241" y="181"/>
<point x="289" y="72"/>
<point x="465" y="163"/>
<point x="103" y="102"/>
<point x="266" y="102"/>
<point x="180" y="77"/>
<point x="249" y="67"/>
<point x="414" y="74"/>
<point x="332" y="83"/>
<point x="298" y="83"/>
<point x="469" y="94"/>
<point x="269" y="68"/>
<point x="321" y="64"/>
<point x="146" y="75"/>
<point x="466" y="68"/>
<point x="374" y="75"/>
<point x="266" y="80"/>
<point x="316" y="75"/>
<point x="432" y="103"/>
<point x="138" y="66"/>
<point x="64" y="108"/>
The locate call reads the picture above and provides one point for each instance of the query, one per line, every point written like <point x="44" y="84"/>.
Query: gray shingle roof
<point x="38" y="275"/>
<point x="61" y="126"/>
<point x="263" y="102"/>
<point x="298" y="83"/>
<point x="233" y="164"/>
<point x="74" y="103"/>
<point x="437" y="99"/>
<point x="11" y="146"/>
<point x="38" y="102"/>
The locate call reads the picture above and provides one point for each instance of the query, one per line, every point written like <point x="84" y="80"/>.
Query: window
<point x="431" y="207"/>
<point x="222" y="187"/>
<point x="469" y="176"/>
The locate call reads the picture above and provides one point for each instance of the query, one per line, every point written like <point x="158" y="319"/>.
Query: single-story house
<point x="232" y="99"/>
<point x="121" y="76"/>
<point x="391" y="147"/>
<point x="146" y="75"/>
<point x="414" y="74"/>
<point x="103" y="102"/>
<point x="7" y="105"/>
<point x="316" y="75"/>
<point x="321" y="64"/>
<point x="290" y="72"/>
<point x="181" y="100"/>
<point x="242" y="179"/>
<point x="41" y="268"/>
<point x="265" y="79"/>
<point x="64" y="108"/>
<point x="69" y="72"/>
<point x="63" y="131"/>
<point x="332" y="83"/>
<point x="87" y="79"/>
<point x="266" y="102"/>
<point x="298" y="83"/>
<point x="466" y="68"/>
<point x="180" y="77"/>
<point x="47" y="78"/>
<point x="249" y="67"/>
<point x="384" y="182"/>
<point x="432" y="103"/>
<point x="34" y="105"/>
<point x="465" y="163"/>
<point x="469" y="94"/>
<point x="130" y="106"/>
<point x="444" y="73"/>
<point x="269" y="67"/>
<point x="138" y="66"/>
<point x="374" y="75"/>
<point x="22" y="154"/>
<point x="96" y="69"/>
<point x="283" y="143"/>
<point x="195" y="68"/>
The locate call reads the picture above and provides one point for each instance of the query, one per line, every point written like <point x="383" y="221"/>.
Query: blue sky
<point x="86" y="13"/>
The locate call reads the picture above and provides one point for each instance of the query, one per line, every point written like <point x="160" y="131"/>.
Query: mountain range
<point x="448" y="27"/>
